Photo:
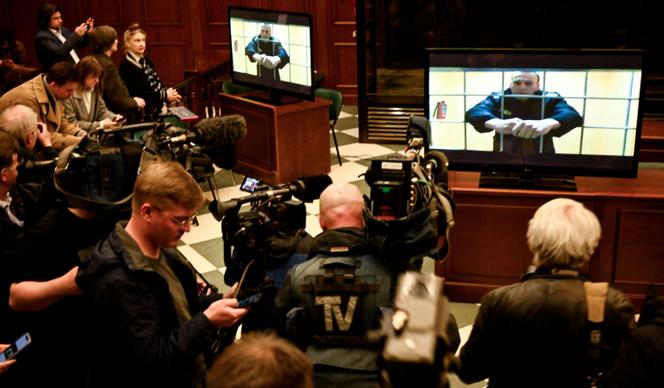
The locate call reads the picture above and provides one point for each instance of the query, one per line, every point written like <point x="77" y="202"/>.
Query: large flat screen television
<point x="271" y="51"/>
<point x="536" y="117"/>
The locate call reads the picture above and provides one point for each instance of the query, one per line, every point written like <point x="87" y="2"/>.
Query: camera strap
<point x="90" y="195"/>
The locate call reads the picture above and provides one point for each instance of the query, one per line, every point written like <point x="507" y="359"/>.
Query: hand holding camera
<point x="85" y="27"/>
<point x="43" y="135"/>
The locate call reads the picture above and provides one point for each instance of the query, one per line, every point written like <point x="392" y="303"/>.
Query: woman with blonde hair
<point x="140" y="75"/>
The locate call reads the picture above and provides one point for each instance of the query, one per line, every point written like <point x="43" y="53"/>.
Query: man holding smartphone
<point x="55" y="43"/>
<point x="151" y="328"/>
<point x="40" y="242"/>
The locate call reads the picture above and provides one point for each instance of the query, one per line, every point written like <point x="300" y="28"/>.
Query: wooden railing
<point x="201" y="89"/>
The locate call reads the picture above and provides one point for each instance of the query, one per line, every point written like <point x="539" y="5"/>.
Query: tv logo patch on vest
<point x="332" y="311"/>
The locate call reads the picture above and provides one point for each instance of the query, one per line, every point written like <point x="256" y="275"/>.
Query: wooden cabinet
<point x="283" y="142"/>
<point x="488" y="241"/>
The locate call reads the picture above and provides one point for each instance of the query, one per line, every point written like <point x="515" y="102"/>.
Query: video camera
<point x="257" y="239"/>
<point x="100" y="171"/>
<point x="410" y="202"/>
<point x="419" y="337"/>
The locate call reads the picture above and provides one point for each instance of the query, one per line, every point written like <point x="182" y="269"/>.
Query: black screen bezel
<point x="289" y="88"/>
<point x="560" y="164"/>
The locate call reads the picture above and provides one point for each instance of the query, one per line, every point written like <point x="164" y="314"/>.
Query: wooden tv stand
<point x="488" y="241"/>
<point x="283" y="142"/>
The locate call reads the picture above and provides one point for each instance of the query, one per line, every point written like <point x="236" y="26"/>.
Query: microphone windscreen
<point x="313" y="187"/>
<point x="221" y="130"/>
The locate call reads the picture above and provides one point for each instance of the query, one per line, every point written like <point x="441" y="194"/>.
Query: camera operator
<point x="330" y="301"/>
<point x="151" y="328"/>
<point x="40" y="241"/>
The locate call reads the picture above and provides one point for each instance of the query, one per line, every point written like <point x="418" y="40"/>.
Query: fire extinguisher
<point x="440" y="112"/>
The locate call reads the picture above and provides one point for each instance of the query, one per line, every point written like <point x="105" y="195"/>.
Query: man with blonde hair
<point x="152" y="327"/>
<point x="261" y="360"/>
<point x="537" y="332"/>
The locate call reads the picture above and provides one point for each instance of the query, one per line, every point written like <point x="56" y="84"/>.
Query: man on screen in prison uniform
<point x="524" y="117"/>
<point x="268" y="53"/>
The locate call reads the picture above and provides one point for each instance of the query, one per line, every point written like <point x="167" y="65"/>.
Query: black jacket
<point x="641" y="358"/>
<point x="533" y="333"/>
<point x="138" y="340"/>
<point x="30" y="202"/>
<point x="50" y="50"/>
<point x="144" y="83"/>
<point x="45" y="247"/>
<point x="501" y="105"/>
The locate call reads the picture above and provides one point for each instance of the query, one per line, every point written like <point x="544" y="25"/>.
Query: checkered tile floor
<point x="203" y="246"/>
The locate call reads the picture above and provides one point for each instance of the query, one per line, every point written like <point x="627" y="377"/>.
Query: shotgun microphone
<point x="306" y="189"/>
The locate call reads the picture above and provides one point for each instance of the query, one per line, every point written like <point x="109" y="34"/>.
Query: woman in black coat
<point x="140" y="75"/>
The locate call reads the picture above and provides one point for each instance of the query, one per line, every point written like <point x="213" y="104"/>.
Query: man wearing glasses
<point x="525" y="119"/>
<point x="151" y="326"/>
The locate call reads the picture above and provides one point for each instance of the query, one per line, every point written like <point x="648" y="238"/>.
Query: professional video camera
<point x="419" y="337"/>
<point x="411" y="204"/>
<point x="258" y="242"/>
<point x="100" y="171"/>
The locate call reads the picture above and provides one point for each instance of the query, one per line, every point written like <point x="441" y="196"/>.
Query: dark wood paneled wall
<point x="488" y="246"/>
<point x="184" y="34"/>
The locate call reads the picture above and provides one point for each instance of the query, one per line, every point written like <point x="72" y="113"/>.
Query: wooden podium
<point x="488" y="245"/>
<point x="283" y="142"/>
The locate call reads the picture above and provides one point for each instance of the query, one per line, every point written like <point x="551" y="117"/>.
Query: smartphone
<point x="21" y="343"/>
<point x="250" y="300"/>
<point x="250" y="184"/>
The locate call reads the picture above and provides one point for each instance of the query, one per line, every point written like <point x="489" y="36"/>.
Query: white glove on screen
<point x="260" y="58"/>
<point x="274" y="61"/>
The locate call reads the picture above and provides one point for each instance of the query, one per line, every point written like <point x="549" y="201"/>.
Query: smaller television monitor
<point x="271" y="51"/>
<point x="526" y="117"/>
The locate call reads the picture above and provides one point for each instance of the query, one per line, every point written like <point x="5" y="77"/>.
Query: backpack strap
<point x="596" y="298"/>
<point x="596" y="302"/>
